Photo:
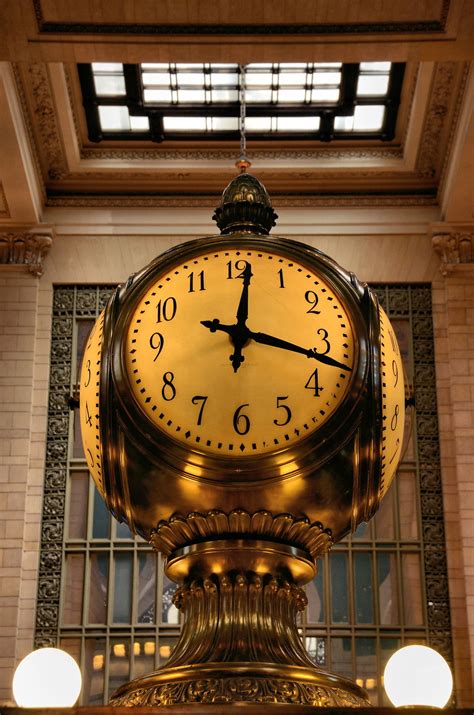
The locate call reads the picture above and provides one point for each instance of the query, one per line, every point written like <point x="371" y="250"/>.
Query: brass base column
<point x="240" y="644"/>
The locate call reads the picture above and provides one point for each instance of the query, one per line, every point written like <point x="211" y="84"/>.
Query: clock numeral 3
<point x="286" y="410"/>
<point x="313" y="383"/>
<point x="199" y="282"/>
<point x="312" y="298"/>
<point x="156" y="343"/>
<point x="168" y="391"/>
<point x="166" y="310"/>
<point x="241" y="421"/>
<point x="323" y="333"/>
<point x="88" y="378"/>
<point x="195" y="400"/>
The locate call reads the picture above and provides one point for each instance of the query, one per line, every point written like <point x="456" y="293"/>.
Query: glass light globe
<point x="417" y="675"/>
<point x="48" y="677"/>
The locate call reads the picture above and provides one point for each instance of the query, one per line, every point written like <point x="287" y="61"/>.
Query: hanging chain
<point x="243" y="163"/>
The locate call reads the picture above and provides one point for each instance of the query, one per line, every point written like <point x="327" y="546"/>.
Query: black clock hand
<point x="265" y="339"/>
<point x="285" y="345"/>
<point x="239" y="335"/>
<point x="243" y="309"/>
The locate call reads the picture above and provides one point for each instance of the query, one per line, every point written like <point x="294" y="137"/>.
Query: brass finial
<point x="245" y="206"/>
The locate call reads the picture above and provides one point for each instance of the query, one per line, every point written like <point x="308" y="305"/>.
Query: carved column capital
<point x="454" y="243"/>
<point x="25" y="247"/>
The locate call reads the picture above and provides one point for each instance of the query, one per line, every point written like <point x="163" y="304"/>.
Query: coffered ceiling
<point x="45" y="148"/>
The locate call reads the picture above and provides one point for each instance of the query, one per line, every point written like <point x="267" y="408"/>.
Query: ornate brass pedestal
<point x="240" y="596"/>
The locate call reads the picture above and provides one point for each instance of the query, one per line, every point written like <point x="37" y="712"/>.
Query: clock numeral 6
<point x="286" y="410"/>
<point x="168" y="391"/>
<point x="166" y="309"/>
<point x="156" y="343"/>
<point x="241" y="421"/>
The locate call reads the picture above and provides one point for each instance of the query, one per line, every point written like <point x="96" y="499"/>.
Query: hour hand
<point x="285" y="345"/>
<point x="238" y="335"/>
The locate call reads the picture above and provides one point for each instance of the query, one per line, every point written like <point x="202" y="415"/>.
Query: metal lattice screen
<point x="102" y="594"/>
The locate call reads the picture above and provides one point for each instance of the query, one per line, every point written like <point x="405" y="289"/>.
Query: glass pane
<point x="292" y="78"/>
<point x="196" y="96"/>
<point x="78" y="498"/>
<point x="77" y="448"/>
<point x="224" y="78"/>
<point x="119" y="663"/>
<point x="315" y="594"/>
<point x="368" y="117"/>
<point x="388" y="646"/>
<point x="166" y="645"/>
<point x="109" y="85"/>
<point x="169" y="612"/>
<point x="101" y="518"/>
<point x="114" y="118"/>
<point x="84" y="328"/>
<point x="298" y="124"/>
<point x="325" y="95"/>
<point x="107" y="67"/>
<point x="262" y="79"/>
<point x="93" y="671"/>
<point x="258" y="95"/>
<point x="362" y="533"/>
<point x="185" y="78"/>
<point x="123" y="587"/>
<point x="224" y="124"/>
<point x="333" y="78"/>
<point x="157" y="95"/>
<point x="407" y="505"/>
<point x="74" y="589"/>
<point x="376" y="66"/>
<point x="372" y="84"/>
<point x="224" y="95"/>
<point x="364" y="610"/>
<point x="388" y="588"/>
<point x="411" y="576"/>
<point x="98" y="578"/>
<point x="146" y="587"/>
<point x="291" y="95"/>
<point x="258" y="124"/>
<point x="316" y="648"/>
<point x="143" y="657"/>
<point x="341" y="656"/>
<point x="344" y="124"/>
<point x="366" y="666"/>
<point x="156" y="78"/>
<point x="339" y="588"/>
<point x="384" y="519"/>
<point x="184" y="124"/>
<point x="139" y="124"/>
<point x="122" y="531"/>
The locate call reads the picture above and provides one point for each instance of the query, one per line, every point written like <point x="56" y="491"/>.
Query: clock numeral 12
<point x="200" y="281"/>
<point x="313" y="383"/>
<point x="238" y="266"/>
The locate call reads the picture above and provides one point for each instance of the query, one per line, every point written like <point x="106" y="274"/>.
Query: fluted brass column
<point x="240" y="593"/>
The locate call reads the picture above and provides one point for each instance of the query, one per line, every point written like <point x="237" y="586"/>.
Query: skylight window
<point x="320" y="101"/>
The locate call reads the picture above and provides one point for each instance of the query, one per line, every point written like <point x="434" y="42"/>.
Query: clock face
<point x="89" y="402"/>
<point x="239" y="352"/>
<point x="393" y="402"/>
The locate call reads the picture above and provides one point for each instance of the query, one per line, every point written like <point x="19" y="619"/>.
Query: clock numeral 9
<point x="168" y="391"/>
<point x="395" y="372"/>
<point x="236" y="266"/>
<point x="286" y="410"/>
<point x="312" y="298"/>
<point x="166" y="310"/>
<point x="313" y="383"/>
<point x="241" y="421"/>
<point x="156" y="343"/>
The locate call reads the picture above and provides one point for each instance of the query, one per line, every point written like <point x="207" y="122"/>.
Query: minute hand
<point x="285" y="345"/>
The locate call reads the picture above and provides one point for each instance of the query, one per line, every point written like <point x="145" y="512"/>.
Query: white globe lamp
<point x="417" y="675"/>
<point x="48" y="677"/>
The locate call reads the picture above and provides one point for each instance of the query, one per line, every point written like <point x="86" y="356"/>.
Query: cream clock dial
<point x="89" y="402"/>
<point x="237" y="352"/>
<point x="393" y="402"/>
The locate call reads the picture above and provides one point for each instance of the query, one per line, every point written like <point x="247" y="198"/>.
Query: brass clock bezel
<point x="298" y="459"/>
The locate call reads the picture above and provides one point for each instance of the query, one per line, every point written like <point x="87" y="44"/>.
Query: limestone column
<point x="453" y="315"/>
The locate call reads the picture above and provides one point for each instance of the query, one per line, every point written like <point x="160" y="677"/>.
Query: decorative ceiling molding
<point x="4" y="210"/>
<point x="23" y="247"/>
<point x="437" y="24"/>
